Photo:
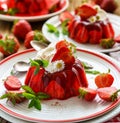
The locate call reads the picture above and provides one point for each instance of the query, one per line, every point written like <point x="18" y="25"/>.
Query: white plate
<point x="70" y="110"/>
<point x="115" y="20"/>
<point x="35" y="18"/>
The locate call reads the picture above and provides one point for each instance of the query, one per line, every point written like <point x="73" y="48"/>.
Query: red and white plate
<point x="114" y="19"/>
<point x="35" y="18"/>
<point x="70" y="110"/>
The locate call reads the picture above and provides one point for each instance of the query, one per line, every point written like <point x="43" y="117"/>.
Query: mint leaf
<point x="28" y="95"/>
<point x="28" y="89"/>
<point x="53" y="29"/>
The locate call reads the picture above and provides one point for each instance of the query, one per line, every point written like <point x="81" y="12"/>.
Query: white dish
<point x="56" y="22"/>
<point x="70" y="110"/>
<point x="34" y="18"/>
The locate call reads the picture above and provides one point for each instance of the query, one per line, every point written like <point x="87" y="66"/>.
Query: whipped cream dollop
<point x="47" y="54"/>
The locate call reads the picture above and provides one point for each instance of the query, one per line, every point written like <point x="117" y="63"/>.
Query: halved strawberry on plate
<point x="108" y="93"/>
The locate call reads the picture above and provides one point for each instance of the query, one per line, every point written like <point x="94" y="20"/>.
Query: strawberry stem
<point x="114" y="96"/>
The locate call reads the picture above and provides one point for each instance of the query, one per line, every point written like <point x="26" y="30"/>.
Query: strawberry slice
<point x="12" y="83"/>
<point x="108" y="93"/>
<point x="36" y="82"/>
<point x="87" y="93"/>
<point x="95" y="33"/>
<point x="108" y="30"/>
<point x="66" y="16"/>
<point x="55" y="90"/>
<point x="64" y="54"/>
<point x="61" y="44"/>
<point x="81" y="33"/>
<point x="104" y="80"/>
<point x="50" y="4"/>
<point x="85" y="11"/>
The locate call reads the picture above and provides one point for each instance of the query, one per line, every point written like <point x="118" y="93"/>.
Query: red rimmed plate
<point x="35" y="18"/>
<point x="70" y="110"/>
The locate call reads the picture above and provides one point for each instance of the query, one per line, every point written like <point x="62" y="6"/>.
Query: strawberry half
<point x="104" y="80"/>
<point x="87" y="93"/>
<point x="55" y="90"/>
<point x="12" y="83"/>
<point x="64" y="54"/>
<point x="66" y="16"/>
<point x="108" y="93"/>
<point x="85" y="11"/>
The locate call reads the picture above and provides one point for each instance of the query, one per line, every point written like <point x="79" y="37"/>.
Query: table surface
<point x="6" y="28"/>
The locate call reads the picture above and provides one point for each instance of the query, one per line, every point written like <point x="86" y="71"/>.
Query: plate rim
<point x="100" y="113"/>
<point x="57" y="22"/>
<point x="34" y="18"/>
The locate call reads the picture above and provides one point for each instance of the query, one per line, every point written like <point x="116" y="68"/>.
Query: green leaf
<point x="28" y="95"/>
<point x="31" y="104"/>
<point x="53" y="29"/>
<point x="64" y="27"/>
<point x="41" y="96"/>
<point x="36" y="70"/>
<point x="28" y="89"/>
<point x="4" y="96"/>
<point x="94" y="72"/>
<point x="37" y="104"/>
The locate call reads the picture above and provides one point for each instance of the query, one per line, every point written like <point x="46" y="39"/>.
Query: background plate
<point x="114" y="19"/>
<point x="34" y="18"/>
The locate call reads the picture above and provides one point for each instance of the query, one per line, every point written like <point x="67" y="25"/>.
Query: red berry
<point x="12" y="83"/>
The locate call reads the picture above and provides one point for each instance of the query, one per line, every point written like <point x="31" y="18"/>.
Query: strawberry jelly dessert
<point x="30" y="7"/>
<point x="59" y="73"/>
<point x="90" y="25"/>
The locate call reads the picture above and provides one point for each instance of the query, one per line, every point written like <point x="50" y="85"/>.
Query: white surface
<point x="34" y="18"/>
<point x="71" y="110"/>
<point x="115" y="20"/>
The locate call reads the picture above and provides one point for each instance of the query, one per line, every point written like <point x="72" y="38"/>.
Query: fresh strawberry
<point x="81" y="33"/>
<point x="21" y="28"/>
<point x="61" y="44"/>
<point x="107" y="43"/>
<point x="85" y="11"/>
<point x="117" y="39"/>
<point x="104" y="80"/>
<point x="108" y="93"/>
<point x="64" y="54"/>
<point x="9" y="45"/>
<point x="55" y="90"/>
<point x="87" y="93"/>
<point x="108" y="31"/>
<point x="12" y="83"/>
<point x="34" y="35"/>
<point x="15" y="96"/>
<point x="36" y="82"/>
<point x="95" y="33"/>
<point x="29" y="74"/>
<point x="51" y="4"/>
<point x="66" y="16"/>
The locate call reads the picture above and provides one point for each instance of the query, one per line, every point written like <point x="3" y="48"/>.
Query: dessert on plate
<point x="61" y="76"/>
<point x="89" y="24"/>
